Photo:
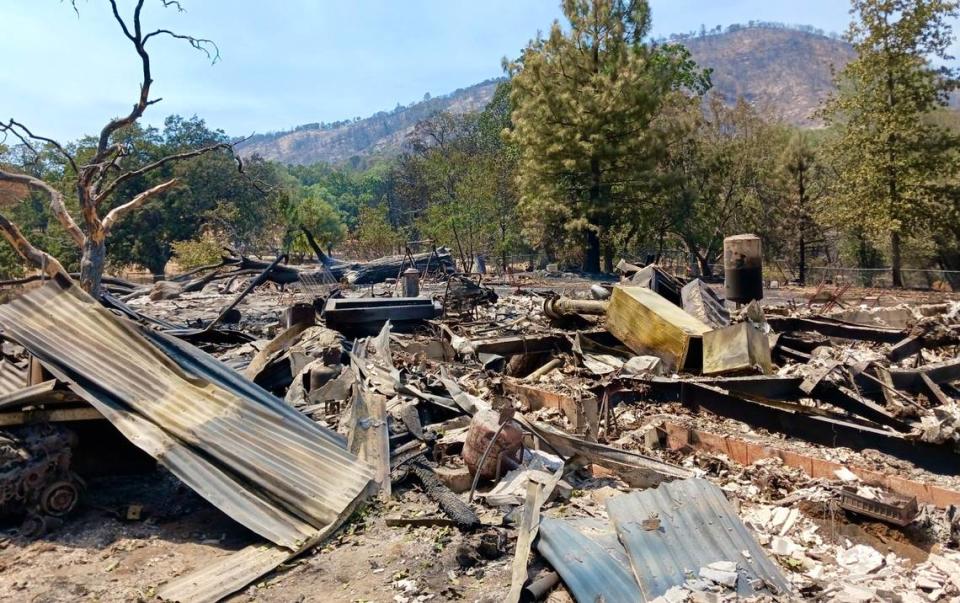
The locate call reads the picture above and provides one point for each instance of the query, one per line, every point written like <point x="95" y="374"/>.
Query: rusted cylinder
<point x="742" y="268"/>
<point x="483" y="427"/>
<point x="564" y="307"/>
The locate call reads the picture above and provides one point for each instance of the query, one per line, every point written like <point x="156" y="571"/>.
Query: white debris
<point x="855" y="594"/>
<point x="845" y="475"/>
<point x="643" y="365"/>
<point x="721" y="572"/>
<point x="950" y="568"/>
<point x="860" y="559"/>
<point x="676" y="594"/>
<point x="783" y="546"/>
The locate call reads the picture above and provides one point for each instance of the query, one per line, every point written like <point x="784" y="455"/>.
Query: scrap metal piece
<point x="366" y="316"/>
<point x="654" y="278"/>
<point x="697" y="526"/>
<point x="649" y="324"/>
<point x="593" y="569"/>
<point x="635" y="469"/>
<point x="35" y="474"/>
<point x="702" y="302"/>
<point x="259" y="461"/>
<point x="888" y="507"/>
<point x="739" y="348"/>
<point x="559" y="308"/>
<point x="537" y="493"/>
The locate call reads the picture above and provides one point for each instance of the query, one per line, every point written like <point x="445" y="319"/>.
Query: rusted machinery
<point x="35" y="475"/>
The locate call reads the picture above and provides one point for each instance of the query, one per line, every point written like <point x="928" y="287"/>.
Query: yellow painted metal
<point x="739" y="348"/>
<point x="649" y="324"/>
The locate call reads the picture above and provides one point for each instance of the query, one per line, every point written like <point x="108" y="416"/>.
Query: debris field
<point x="396" y="431"/>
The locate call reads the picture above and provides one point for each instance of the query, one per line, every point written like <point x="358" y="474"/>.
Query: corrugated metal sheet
<point x="589" y="558"/>
<point x="698" y="526"/>
<point x="261" y="462"/>
<point x="12" y="377"/>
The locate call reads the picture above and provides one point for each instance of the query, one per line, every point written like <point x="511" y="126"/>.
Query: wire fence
<point x="913" y="278"/>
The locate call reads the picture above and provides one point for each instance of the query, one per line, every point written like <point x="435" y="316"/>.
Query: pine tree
<point x="888" y="154"/>
<point x="804" y="184"/>
<point x="584" y="103"/>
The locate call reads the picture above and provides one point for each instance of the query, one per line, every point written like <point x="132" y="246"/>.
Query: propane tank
<point x="509" y="443"/>
<point x="742" y="268"/>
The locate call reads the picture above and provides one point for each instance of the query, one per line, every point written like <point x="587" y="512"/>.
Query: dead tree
<point x="96" y="180"/>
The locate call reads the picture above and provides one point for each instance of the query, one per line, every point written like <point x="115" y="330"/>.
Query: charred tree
<point x="95" y="180"/>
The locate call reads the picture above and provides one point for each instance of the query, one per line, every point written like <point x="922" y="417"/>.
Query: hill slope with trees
<point x="786" y="72"/>
<point x="783" y="70"/>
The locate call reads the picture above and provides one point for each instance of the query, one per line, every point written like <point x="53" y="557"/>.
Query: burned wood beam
<point x="844" y="398"/>
<point x="905" y="348"/>
<point x="782" y="352"/>
<point x="836" y="328"/>
<point x="770" y="387"/>
<point x="450" y="503"/>
<point x="932" y="391"/>
<point x="941" y="372"/>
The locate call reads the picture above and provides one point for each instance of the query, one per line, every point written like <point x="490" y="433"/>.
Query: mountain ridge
<point x="785" y="70"/>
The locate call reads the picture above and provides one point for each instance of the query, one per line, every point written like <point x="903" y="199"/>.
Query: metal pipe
<point x="565" y="307"/>
<point x="543" y="370"/>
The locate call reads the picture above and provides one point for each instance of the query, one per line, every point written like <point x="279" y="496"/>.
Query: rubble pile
<point x="641" y="440"/>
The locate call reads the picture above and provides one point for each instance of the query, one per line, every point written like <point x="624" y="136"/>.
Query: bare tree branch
<point x="121" y="210"/>
<point x="156" y="164"/>
<point x="201" y="44"/>
<point x="11" y="127"/>
<point x="57" y="205"/>
<point x="139" y="43"/>
<point x="34" y="256"/>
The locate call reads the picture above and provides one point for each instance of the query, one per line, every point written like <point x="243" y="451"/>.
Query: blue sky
<point x="288" y="62"/>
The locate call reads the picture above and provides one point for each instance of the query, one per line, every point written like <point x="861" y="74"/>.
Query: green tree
<point x="584" y="103"/>
<point x="238" y="208"/>
<point x="320" y="218"/>
<point x="804" y="179"/>
<point x="718" y="177"/>
<point x="374" y="234"/>
<point x="890" y="158"/>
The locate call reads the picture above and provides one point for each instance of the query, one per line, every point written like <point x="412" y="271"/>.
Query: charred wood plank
<point x="836" y="328"/>
<point x="450" y="503"/>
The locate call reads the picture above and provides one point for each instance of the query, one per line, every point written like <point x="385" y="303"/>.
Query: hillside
<point x="381" y="133"/>
<point x="784" y="70"/>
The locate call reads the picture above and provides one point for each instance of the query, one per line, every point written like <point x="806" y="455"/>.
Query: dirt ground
<point x="96" y="556"/>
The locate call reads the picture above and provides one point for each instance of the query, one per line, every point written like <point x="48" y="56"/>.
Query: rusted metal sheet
<point x="27" y="395"/>
<point x="258" y="460"/>
<point x="672" y="531"/>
